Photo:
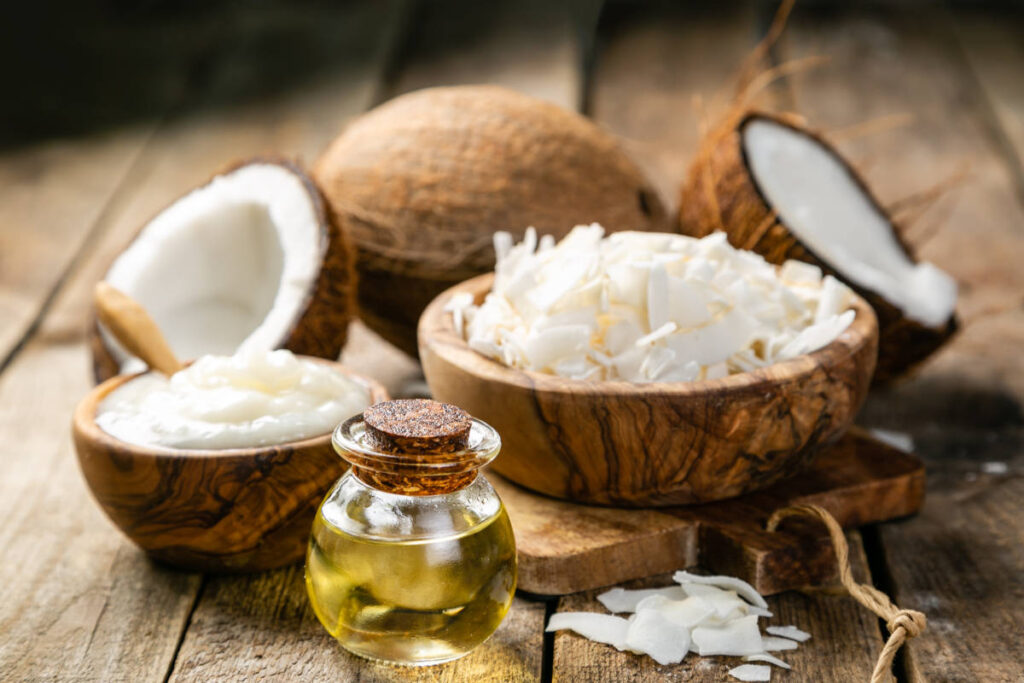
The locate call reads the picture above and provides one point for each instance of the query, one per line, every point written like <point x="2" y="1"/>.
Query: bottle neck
<point x="414" y="473"/>
<point x="414" y="485"/>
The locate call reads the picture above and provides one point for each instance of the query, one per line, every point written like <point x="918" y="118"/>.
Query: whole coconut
<point x="421" y="183"/>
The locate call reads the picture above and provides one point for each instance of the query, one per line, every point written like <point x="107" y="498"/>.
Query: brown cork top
<point x="417" y="426"/>
<point x="415" y="447"/>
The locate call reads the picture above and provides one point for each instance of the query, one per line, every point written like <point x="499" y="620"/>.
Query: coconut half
<point x="422" y="182"/>
<point x="780" y="190"/>
<point x="250" y="260"/>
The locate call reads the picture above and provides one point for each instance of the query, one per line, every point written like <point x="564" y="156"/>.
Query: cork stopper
<point x="417" y="426"/>
<point x="418" y="432"/>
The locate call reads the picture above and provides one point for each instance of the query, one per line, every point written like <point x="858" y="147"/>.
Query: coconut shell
<point x="422" y="182"/>
<point x="320" y="326"/>
<point x="720" y="193"/>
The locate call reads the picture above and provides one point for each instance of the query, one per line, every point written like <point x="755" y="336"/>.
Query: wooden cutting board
<point x="565" y="548"/>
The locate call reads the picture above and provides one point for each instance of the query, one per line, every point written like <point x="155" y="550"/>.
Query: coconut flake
<point x="737" y="637"/>
<point x="690" y="612"/>
<point x="767" y="658"/>
<point x="647" y="307"/>
<point x="651" y="633"/>
<point x="603" y="628"/>
<point x="753" y="673"/>
<point x="741" y="587"/>
<point x="791" y="632"/>
<point x="622" y="600"/>
<point x="776" y="644"/>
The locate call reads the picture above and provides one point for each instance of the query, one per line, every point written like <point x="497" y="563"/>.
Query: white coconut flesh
<point x="228" y="266"/>
<point x="816" y="197"/>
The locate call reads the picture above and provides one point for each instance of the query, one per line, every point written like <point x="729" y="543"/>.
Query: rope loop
<point x="903" y="624"/>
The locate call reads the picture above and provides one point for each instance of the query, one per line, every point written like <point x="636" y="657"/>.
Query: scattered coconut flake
<point x="791" y="632"/>
<point x="738" y="637"/>
<point x="753" y="673"/>
<point x="705" y="615"/>
<point x="898" y="440"/>
<point x="689" y="612"/>
<point x="456" y="305"/>
<point x="767" y="658"/>
<point x="995" y="467"/>
<point x="647" y="307"/>
<point x="604" y="628"/>
<point x="726" y="604"/>
<point x="776" y="644"/>
<point x="744" y="589"/>
<point x="622" y="600"/>
<point x="652" y="634"/>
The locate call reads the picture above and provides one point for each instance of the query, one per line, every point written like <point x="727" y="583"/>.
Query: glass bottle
<point x="412" y="558"/>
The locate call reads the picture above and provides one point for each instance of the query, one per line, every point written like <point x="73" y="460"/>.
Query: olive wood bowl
<point x="631" y="445"/>
<point x="230" y="510"/>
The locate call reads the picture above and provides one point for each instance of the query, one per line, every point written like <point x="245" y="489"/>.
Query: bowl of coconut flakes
<point x="639" y="369"/>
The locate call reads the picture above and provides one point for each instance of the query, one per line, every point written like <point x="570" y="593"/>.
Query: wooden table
<point x="79" y="603"/>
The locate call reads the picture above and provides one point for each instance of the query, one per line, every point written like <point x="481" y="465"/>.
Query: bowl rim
<point x="84" y="422"/>
<point x="436" y="332"/>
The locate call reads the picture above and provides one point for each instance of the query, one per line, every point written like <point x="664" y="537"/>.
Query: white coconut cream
<point x="254" y="398"/>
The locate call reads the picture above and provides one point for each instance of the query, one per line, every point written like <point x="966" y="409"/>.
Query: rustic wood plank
<point x="959" y="561"/>
<point x="652" y="66"/>
<point x="51" y="194"/>
<point x="844" y="640"/>
<point x="657" y="69"/>
<point x="79" y="601"/>
<point x="990" y="38"/>
<point x="962" y="563"/>
<point x="974" y="231"/>
<point x="262" y="628"/>
<point x="527" y="46"/>
<point x="564" y="547"/>
<point x="448" y="47"/>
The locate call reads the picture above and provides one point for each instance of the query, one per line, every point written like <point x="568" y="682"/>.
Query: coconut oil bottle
<point x="412" y="558"/>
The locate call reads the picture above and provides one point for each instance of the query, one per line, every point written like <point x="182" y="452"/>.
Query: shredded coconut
<point x="647" y="307"/>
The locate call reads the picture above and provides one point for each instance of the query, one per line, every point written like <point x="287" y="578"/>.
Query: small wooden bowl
<point x="232" y="510"/>
<point x="633" y="445"/>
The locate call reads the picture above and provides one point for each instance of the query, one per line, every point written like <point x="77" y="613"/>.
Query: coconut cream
<point x="254" y="398"/>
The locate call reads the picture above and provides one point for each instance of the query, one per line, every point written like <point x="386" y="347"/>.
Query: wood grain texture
<point x="992" y="46"/>
<point x="959" y="561"/>
<point x="631" y="445"/>
<point x="50" y="198"/>
<point x="261" y="628"/>
<point x="565" y="547"/>
<point x="660" y="69"/>
<point x="80" y="603"/>
<point x="235" y="510"/>
<point x="76" y="595"/>
<point x="720" y="193"/>
<point x="973" y="232"/>
<point x="527" y="45"/>
<point x="844" y="640"/>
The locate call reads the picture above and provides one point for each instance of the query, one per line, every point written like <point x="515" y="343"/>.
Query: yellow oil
<point x="413" y="602"/>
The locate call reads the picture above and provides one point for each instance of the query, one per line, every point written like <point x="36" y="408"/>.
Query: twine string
<point x="903" y="624"/>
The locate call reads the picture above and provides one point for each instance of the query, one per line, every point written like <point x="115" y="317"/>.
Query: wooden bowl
<point x="632" y="445"/>
<point x="231" y="510"/>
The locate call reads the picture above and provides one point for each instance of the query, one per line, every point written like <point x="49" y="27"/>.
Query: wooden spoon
<point x="132" y="326"/>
